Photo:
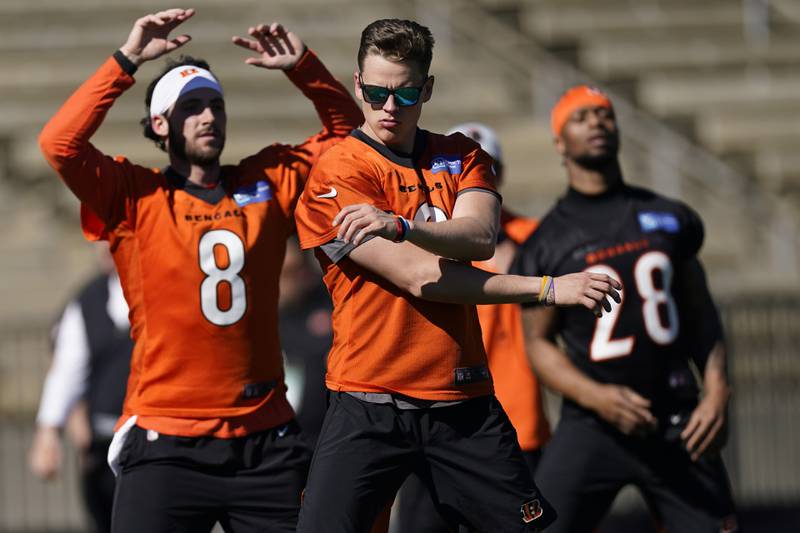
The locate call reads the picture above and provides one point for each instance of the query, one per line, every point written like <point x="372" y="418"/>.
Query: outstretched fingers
<point x="171" y="17"/>
<point x="282" y="34"/>
<point x="261" y="34"/>
<point x="247" y="44"/>
<point x="606" y="284"/>
<point x="178" y="41"/>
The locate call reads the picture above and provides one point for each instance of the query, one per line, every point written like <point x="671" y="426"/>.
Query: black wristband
<point x="125" y="63"/>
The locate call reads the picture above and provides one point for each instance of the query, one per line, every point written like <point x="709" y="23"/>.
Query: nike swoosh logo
<point x="331" y="194"/>
<point x="282" y="431"/>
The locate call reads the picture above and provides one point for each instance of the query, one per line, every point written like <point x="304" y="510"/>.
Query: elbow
<point x="422" y="278"/>
<point x="48" y="144"/>
<point x="481" y="244"/>
<point x="484" y="250"/>
<point x="478" y="250"/>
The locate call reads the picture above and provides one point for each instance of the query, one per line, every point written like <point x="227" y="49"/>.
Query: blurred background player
<point x="207" y="433"/>
<point x="630" y="413"/>
<point x="393" y="213"/>
<point x="85" y="388"/>
<point x="304" y="316"/>
<point x="515" y="385"/>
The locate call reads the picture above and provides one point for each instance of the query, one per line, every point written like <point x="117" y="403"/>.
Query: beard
<point x="202" y="156"/>
<point x="598" y="162"/>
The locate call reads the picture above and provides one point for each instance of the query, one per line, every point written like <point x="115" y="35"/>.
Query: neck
<point x="199" y="175"/>
<point x="591" y="181"/>
<point x="404" y="146"/>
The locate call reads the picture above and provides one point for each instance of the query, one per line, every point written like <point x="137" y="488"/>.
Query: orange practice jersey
<point x="200" y="276"/>
<point x="385" y="340"/>
<point x="515" y="384"/>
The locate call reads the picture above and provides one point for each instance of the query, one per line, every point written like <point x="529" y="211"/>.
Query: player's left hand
<point x="276" y="48"/>
<point x="358" y="221"/>
<point x="44" y="458"/>
<point x="707" y="427"/>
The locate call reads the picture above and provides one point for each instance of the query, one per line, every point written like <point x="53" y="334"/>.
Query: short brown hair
<point x="397" y="40"/>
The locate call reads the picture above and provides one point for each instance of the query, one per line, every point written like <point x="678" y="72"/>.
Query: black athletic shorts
<point x="186" y="484"/>
<point x="587" y="462"/>
<point x="417" y="511"/>
<point x="466" y="454"/>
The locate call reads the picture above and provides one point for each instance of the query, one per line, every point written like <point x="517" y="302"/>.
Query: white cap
<point x="177" y="82"/>
<point x="483" y="135"/>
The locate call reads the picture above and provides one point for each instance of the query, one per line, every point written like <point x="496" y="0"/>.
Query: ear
<point x="357" y="86"/>
<point x="561" y="147"/>
<point x="160" y="125"/>
<point x="427" y="91"/>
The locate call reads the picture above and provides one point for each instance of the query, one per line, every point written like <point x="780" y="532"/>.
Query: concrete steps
<point x="690" y="93"/>
<point x="641" y="53"/>
<point x="563" y="20"/>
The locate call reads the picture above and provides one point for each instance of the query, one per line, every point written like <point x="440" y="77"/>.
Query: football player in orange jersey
<point x="516" y="387"/>
<point x="394" y="212"/>
<point x="206" y="434"/>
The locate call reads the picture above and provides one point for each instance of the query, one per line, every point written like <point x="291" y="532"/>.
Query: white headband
<point x="177" y="82"/>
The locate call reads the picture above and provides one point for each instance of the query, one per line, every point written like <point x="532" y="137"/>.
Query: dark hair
<point x="397" y="40"/>
<point x="171" y="64"/>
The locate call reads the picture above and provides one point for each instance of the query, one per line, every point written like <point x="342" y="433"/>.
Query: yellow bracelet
<point x="542" y="289"/>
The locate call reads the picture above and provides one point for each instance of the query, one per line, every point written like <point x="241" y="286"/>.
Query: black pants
<point x="587" y="462"/>
<point x="417" y="510"/>
<point x="467" y="456"/>
<point x="181" y="484"/>
<point x="97" y="485"/>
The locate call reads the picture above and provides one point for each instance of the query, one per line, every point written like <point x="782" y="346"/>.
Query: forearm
<point x="335" y="107"/>
<point x="715" y="375"/>
<point x="552" y="366"/>
<point x="470" y="235"/>
<point x="429" y="277"/>
<point x="92" y="176"/>
<point x="463" y="239"/>
<point x="454" y="282"/>
<point x="65" y="138"/>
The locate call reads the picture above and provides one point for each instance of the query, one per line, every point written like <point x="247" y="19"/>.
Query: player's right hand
<point x="588" y="289"/>
<point x="275" y="47"/>
<point x="623" y="408"/>
<point x="149" y="39"/>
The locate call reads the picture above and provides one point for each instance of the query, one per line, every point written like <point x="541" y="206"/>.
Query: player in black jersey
<point x="631" y="412"/>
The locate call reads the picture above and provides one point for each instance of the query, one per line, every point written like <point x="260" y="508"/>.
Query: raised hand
<point x="149" y="39"/>
<point x="275" y="47"/>
<point x="588" y="289"/>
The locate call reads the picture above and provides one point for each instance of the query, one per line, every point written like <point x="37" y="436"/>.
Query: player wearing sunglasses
<point x="394" y="215"/>
<point x="404" y="96"/>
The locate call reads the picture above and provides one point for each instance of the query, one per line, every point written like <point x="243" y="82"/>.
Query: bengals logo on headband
<point x="594" y="91"/>
<point x="188" y="72"/>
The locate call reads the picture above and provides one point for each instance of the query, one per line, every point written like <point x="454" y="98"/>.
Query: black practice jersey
<point x="645" y="241"/>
